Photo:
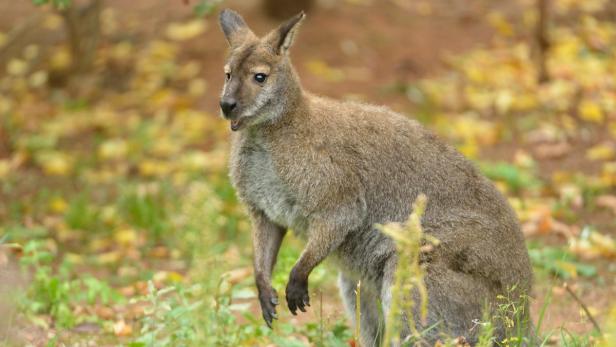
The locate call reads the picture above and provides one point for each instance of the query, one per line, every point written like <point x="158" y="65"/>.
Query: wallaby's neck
<point x="293" y="96"/>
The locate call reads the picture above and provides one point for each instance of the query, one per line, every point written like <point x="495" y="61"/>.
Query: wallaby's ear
<point x="281" y="38"/>
<point x="234" y="27"/>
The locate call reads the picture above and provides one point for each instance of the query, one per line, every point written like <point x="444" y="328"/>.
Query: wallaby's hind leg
<point x="371" y="323"/>
<point x="455" y="305"/>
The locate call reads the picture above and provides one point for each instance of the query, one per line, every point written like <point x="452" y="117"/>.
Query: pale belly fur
<point x="266" y="190"/>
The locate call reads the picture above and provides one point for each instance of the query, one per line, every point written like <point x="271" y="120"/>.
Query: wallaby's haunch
<point x="331" y="170"/>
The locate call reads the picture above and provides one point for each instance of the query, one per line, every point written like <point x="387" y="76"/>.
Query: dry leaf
<point x="551" y="150"/>
<point x="607" y="201"/>
<point x="120" y="328"/>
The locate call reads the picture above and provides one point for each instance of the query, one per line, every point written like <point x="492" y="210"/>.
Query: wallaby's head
<point x="260" y="83"/>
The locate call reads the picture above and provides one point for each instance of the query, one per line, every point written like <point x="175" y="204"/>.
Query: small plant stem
<point x="357" y="312"/>
<point x="584" y="307"/>
<point x="321" y="317"/>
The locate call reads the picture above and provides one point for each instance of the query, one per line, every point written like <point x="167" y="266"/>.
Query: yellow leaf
<point x="120" y="328"/>
<point x="590" y="111"/>
<point x="126" y="237"/>
<point x="194" y="161"/>
<point x="568" y="267"/>
<point x="52" y="21"/>
<point x="185" y="31"/>
<point x="604" y="244"/>
<point x="504" y="99"/>
<point x="612" y="129"/>
<point x="108" y="258"/>
<point x="74" y="258"/>
<point x="113" y="149"/>
<point x="165" y="146"/>
<point x="38" y="79"/>
<point x="109" y="214"/>
<point x="592" y="245"/>
<point x="17" y="67"/>
<point x="61" y="59"/>
<point x="5" y="168"/>
<point x="321" y="69"/>
<point x="197" y="87"/>
<point x="500" y="23"/>
<point x="469" y="149"/>
<point x="55" y="163"/>
<point x="175" y="277"/>
<point x="603" y="151"/>
<point x="122" y="51"/>
<point x="154" y="168"/>
<point x="58" y="205"/>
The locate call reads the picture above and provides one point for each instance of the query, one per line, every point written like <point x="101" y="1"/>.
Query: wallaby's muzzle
<point x="227" y="105"/>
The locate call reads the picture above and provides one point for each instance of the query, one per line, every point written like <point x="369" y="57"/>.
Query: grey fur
<point x="331" y="170"/>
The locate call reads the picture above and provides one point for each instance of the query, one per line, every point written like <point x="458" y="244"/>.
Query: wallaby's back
<point x="385" y="160"/>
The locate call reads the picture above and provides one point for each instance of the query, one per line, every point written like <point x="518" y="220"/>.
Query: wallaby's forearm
<point x="323" y="239"/>
<point x="266" y="238"/>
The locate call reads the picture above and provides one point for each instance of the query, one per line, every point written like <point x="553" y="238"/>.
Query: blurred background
<point x="118" y="225"/>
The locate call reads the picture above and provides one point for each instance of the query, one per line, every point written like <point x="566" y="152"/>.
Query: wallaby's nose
<point x="227" y="105"/>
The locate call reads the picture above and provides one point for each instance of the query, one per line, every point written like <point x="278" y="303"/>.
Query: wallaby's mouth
<point x="236" y="124"/>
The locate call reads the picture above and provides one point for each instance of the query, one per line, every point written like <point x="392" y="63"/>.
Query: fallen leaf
<point x="607" y="201"/>
<point x="120" y="328"/>
<point x="604" y="151"/>
<point x="590" y="111"/>
<point x="592" y="245"/>
<point x="185" y="31"/>
<point x="551" y="150"/>
<point x="104" y="312"/>
<point x="125" y="237"/>
<point x="238" y="275"/>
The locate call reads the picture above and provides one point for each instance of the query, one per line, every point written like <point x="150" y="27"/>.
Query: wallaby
<point x="330" y="170"/>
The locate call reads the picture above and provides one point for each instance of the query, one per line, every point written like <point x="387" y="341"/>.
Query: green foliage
<point x="205" y="7"/>
<point x="55" y="292"/>
<point x="81" y="214"/>
<point x="337" y="335"/>
<point x="147" y="207"/>
<point x="560" y="262"/>
<point x="59" y="4"/>
<point x="409" y="275"/>
<point x="516" y="178"/>
<point x="168" y="320"/>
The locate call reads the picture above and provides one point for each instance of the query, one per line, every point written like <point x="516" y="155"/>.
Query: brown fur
<point x="331" y="170"/>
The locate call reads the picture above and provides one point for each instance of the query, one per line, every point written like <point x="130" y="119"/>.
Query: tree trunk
<point x="543" y="42"/>
<point x="83" y="30"/>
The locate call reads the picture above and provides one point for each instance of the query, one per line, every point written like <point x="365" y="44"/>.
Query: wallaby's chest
<point x="258" y="182"/>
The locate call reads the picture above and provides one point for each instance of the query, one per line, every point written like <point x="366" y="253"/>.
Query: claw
<point x="267" y="320"/>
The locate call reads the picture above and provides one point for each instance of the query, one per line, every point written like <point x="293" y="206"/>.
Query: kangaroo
<point x="330" y="170"/>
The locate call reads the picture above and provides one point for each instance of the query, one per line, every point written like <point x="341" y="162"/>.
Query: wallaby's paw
<point x="268" y="302"/>
<point x="297" y="295"/>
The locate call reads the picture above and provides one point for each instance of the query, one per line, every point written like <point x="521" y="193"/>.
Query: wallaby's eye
<point x="260" y="77"/>
<point x="227" y="76"/>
